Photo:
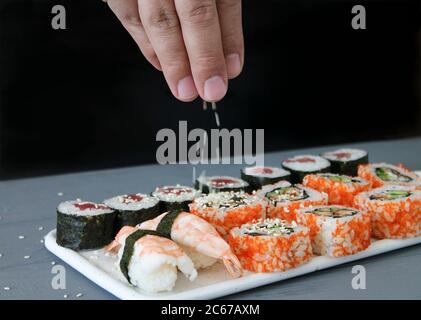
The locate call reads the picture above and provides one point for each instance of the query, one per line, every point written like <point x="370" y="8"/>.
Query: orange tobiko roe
<point x="339" y="193"/>
<point x="271" y="253"/>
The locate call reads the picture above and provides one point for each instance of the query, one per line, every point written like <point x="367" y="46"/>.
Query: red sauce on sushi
<point x="132" y="198"/>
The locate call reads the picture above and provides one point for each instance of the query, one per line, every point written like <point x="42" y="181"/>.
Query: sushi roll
<point x="270" y="245"/>
<point x="346" y="161"/>
<point x="132" y="209"/>
<point x="300" y="166"/>
<point x="84" y="225"/>
<point x="395" y="211"/>
<point x="260" y="176"/>
<point x="226" y="210"/>
<point x="150" y="261"/>
<point x="220" y="183"/>
<point x="284" y="199"/>
<point x="340" y="189"/>
<point x="175" y="197"/>
<point x="380" y="174"/>
<point x="336" y="231"/>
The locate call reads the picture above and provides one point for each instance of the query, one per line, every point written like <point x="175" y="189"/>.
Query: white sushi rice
<point x="124" y="202"/>
<point x="354" y="154"/>
<point x="184" y="193"/>
<point x="275" y="172"/>
<point x="316" y="163"/>
<point x="324" y="241"/>
<point x="224" y="200"/>
<point x="68" y="207"/>
<point x="208" y="181"/>
<point x="270" y="227"/>
<point x="312" y="194"/>
<point x="156" y="272"/>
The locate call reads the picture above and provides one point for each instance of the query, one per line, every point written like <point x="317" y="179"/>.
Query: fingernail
<point x="233" y="64"/>
<point x="215" y="89"/>
<point x="186" y="88"/>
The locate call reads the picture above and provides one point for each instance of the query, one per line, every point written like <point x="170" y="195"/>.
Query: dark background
<point x="84" y="98"/>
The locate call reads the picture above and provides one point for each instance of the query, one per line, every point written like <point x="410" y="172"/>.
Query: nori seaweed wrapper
<point x="349" y="168"/>
<point x="165" y="225"/>
<point x="134" y="217"/>
<point x="257" y="182"/>
<point x="298" y="176"/>
<point x="166" y="206"/>
<point x="129" y="249"/>
<point x="80" y="232"/>
<point x="206" y="189"/>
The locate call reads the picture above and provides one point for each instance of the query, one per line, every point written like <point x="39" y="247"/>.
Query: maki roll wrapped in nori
<point x="175" y="197"/>
<point x="210" y="184"/>
<point x="84" y="225"/>
<point x="260" y="176"/>
<point x="133" y="209"/>
<point x="300" y="166"/>
<point x="346" y="161"/>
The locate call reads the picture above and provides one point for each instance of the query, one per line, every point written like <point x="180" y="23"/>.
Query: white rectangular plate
<point x="210" y="283"/>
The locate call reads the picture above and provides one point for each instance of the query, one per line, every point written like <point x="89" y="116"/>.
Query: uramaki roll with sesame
<point x="341" y="189"/>
<point x="381" y="174"/>
<point x="271" y="245"/>
<point x="226" y="210"/>
<point x="395" y="211"/>
<point x="284" y="199"/>
<point x="336" y="231"/>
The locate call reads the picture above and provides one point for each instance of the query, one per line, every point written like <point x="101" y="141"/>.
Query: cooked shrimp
<point x="153" y="264"/>
<point x="195" y="233"/>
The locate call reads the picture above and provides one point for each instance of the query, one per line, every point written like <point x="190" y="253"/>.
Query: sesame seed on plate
<point x="79" y="295"/>
<point x="60" y="194"/>
<point x="6" y="288"/>
<point x="41" y="228"/>
<point x="53" y="263"/>
<point x="21" y="237"/>
<point x="27" y="257"/>
<point x="42" y="241"/>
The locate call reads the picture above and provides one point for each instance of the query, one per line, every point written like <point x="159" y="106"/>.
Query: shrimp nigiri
<point x="153" y="260"/>
<point x="200" y="239"/>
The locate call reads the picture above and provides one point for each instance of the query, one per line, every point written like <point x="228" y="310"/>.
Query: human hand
<point x="198" y="44"/>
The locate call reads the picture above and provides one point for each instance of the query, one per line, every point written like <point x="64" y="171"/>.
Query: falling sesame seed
<point x="79" y="295"/>
<point x="21" y="237"/>
<point x="65" y="296"/>
<point x="6" y="288"/>
<point x="27" y="257"/>
<point x="41" y="228"/>
<point x="60" y="194"/>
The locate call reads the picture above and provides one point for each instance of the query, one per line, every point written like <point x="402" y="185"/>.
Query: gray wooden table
<point x="27" y="208"/>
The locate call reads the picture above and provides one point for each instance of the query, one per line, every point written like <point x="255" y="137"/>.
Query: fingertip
<point x="215" y="89"/>
<point x="186" y="89"/>
<point x="233" y="64"/>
